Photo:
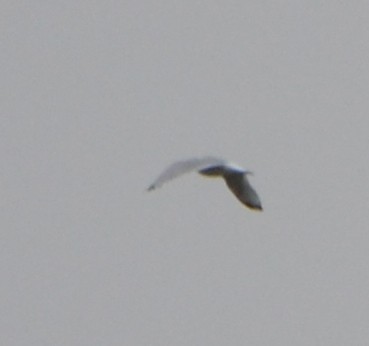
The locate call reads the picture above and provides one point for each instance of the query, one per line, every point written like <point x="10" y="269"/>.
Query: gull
<point x="234" y="176"/>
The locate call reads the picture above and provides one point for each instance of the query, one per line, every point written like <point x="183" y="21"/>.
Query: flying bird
<point x="234" y="176"/>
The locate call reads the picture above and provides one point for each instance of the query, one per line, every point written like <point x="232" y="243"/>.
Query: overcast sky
<point x="97" y="97"/>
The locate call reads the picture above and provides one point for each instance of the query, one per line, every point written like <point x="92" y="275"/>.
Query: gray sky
<point x="97" y="97"/>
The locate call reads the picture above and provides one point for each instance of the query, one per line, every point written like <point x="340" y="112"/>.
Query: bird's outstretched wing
<point x="182" y="167"/>
<point x="241" y="188"/>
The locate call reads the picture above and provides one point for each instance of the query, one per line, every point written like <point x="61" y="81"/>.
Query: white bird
<point x="234" y="176"/>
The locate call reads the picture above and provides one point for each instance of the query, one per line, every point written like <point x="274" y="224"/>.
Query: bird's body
<point x="234" y="176"/>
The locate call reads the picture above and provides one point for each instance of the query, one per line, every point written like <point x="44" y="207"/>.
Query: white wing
<point x="186" y="166"/>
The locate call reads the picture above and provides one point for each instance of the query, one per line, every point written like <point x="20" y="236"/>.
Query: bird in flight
<point x="234" y="176"/>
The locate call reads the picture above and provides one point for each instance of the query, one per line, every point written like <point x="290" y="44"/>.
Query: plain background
<point x="97" y="97"/>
